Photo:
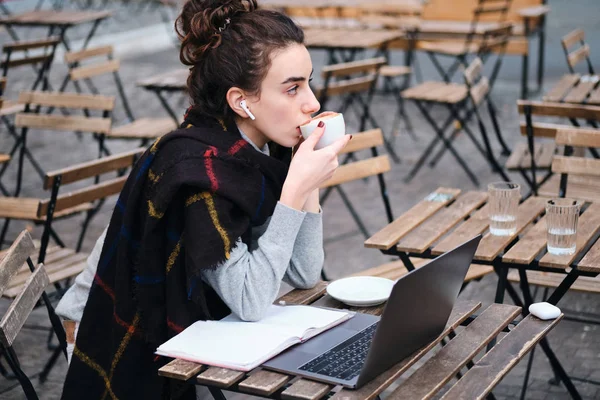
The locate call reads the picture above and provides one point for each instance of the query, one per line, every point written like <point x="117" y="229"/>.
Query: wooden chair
<point x="462" y="102"/>
<point x="484" y="11"/>
<point x="578" y="55"/>
<point x="568" y="168"/>
<point x="354" y="83"/>
<point x="16" y="261"/>
<point x="62" y="262"/>
<point x="538" y="154"/>
<point x="32" y="118"/>
<point x="375" y="165"/>
<point x="82" y="70"/>
<point x="527" y="16"/>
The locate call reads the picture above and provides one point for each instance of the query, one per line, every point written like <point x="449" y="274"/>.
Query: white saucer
<point x="362" y="291"/>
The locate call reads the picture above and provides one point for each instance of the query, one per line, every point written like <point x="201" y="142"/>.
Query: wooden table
<point x="167" y="82"/>
<point x="427" y="380"/>
<point x="348" y="41"/>
<point x="448" y="217"/>
<point x="57" y="20"/>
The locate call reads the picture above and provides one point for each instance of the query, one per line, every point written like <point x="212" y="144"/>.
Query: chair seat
<point x="521" y="159"/>
<point x="26" y="208"/>
<point x="60" y="263"/>
<point x="439" y="92"/>
<point x="11" y="107"/>
<point x="553" y="279"/>
<point x="578" y="187"/>
<point x="4" y="158"/>
<point x="451" y="48"/>
<point x="396" y="269"/>
<point x="392" y="71"/>
<point x="144" y="128"/>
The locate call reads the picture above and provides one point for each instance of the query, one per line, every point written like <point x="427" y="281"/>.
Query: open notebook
<point x="235" y="344"/>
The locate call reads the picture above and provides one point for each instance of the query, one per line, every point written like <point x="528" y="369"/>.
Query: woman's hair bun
<point x="202" y="23"/>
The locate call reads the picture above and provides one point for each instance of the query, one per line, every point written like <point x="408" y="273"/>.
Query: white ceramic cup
<point x="335" y="128"/>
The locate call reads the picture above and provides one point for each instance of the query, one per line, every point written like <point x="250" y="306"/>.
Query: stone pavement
<point x="576" y="344"/>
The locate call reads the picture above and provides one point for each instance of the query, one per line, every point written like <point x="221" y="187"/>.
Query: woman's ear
<point x="234" y="98"/>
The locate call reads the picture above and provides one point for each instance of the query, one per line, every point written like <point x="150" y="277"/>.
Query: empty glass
<point x="562" y="216"/>
<point x="503" y="202"/>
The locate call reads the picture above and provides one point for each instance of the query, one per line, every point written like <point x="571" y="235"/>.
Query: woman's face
<point x="285" y="100"/>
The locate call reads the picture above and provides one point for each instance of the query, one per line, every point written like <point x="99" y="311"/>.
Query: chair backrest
<point x="16" y="258"/>
<point x="571" y="165"/>
<point x="462" y="10"/>
<point x="349" y="78"/>
<point x="35" y="53"/>
<point x="29" y="119"/>
<point x="89" y="193"/>
<point x="580" y="53"/>
<point x="478" y="85"/>
<point x="362" y="168"/>
<point x="567" y="111"/>
<point x="93" y="62"/>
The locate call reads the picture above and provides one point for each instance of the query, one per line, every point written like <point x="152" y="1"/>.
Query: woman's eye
<point x="293" y="90"/>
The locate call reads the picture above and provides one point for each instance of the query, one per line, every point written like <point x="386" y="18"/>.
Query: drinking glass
<point x="562" y="216"/>
<point x="503" y="203"/>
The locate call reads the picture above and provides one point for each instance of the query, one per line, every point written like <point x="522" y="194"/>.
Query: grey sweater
<point x="288" y="247"/>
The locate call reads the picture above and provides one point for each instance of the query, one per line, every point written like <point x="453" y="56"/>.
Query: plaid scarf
<point x="187" y="201"/>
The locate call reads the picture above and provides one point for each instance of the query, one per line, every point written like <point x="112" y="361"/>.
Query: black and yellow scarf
<point x="186" y="202"/>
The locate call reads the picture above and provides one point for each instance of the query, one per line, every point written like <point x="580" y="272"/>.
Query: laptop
<point x="356" y="351"/>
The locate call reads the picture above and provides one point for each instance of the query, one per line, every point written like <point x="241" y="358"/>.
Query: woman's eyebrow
<point x="296" y="78"/>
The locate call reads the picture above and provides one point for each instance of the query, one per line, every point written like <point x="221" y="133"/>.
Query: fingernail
<point x="321" y="124"/>
<point x="351" y="136"/>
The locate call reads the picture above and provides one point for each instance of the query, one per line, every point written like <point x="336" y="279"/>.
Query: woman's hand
<point x="311" y="168"/>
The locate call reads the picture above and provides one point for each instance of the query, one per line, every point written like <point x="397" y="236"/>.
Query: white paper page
<point x="297" y="319"/>
<point x="224" y="343"/>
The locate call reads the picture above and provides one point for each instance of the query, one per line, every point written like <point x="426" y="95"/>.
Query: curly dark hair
<point x="228" y="43"/>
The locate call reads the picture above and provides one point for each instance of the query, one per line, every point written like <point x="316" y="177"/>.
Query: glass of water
<point x="562" y="216"/>
<point x="503" y="202"/>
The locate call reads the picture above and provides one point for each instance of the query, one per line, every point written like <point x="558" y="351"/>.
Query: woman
<point x="214" y="215"/>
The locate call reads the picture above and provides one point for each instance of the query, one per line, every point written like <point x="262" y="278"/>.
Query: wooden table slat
<point x="392" y="233"/>
<point x="479" y="381"/>
<point x="220" y="377"/>
<point x="422" y="237"/>
<point x="591" y="261"/>
<point x="462" y="310"/>
<point x="305" y="389"/>
<point x="472" y="227"/>
<point x="562" y="87"/>
<point x="491" y="245"/>
<point x="180" y="369"/>
<point x="529" y="246"/>
<point x="438" y="370"/>
<point x="264" y="383"/>
<point x="304" y="296"/>
<point x="588" y="226"/>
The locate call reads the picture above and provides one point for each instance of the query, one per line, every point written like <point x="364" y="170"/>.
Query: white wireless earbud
<point x="247" y="110"/>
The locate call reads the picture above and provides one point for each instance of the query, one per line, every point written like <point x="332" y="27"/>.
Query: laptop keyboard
<point x="345" y="360"/>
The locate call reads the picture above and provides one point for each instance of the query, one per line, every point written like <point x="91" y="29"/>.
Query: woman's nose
<point x="312" y="105"/>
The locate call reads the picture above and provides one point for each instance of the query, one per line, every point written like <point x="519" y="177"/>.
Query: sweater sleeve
<point x="73" y="301"/>
<point x="249" y="281"/>
<point x="307" y="258"/>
